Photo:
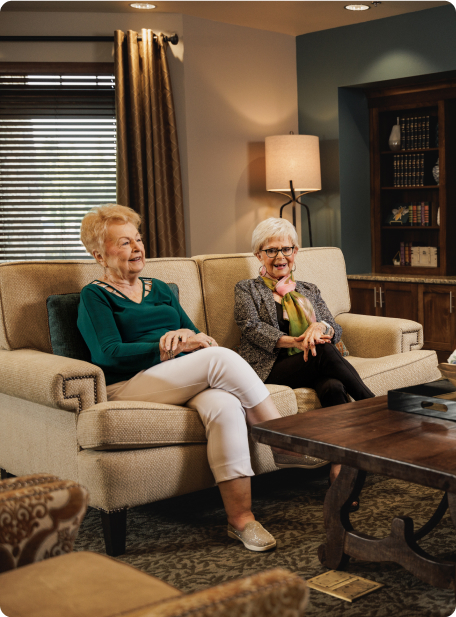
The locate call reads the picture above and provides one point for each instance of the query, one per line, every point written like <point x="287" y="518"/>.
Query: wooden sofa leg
<point x="114" y="531"/>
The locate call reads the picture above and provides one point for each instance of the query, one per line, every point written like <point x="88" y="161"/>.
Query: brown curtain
<point x="148" y="168"/>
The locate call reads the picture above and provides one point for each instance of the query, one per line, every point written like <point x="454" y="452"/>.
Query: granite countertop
<point x="402" y="278"/>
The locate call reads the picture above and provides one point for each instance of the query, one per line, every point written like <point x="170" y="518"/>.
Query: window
<point x="57" y="160"/>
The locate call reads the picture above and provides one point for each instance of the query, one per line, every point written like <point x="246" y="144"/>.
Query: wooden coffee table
<point x="366" y="436"/>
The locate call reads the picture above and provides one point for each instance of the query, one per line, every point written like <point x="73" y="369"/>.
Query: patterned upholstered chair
<point x="40" y="517"/>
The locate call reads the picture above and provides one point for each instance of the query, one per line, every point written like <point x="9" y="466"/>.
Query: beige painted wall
<point x="232" y="86"/>
<point x="240" y="86"/>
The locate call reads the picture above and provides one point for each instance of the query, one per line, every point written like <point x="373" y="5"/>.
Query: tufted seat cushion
<point x="117" y="425"/>
<point x="399" y="370"/>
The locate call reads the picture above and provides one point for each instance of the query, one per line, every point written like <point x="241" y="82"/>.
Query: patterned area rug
<point x="183" y="541"/>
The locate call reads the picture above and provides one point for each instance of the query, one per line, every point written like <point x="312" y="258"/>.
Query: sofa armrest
<point x="54" y="381"/>
<point x="267" y="594"/>
<point x="40" y="517"/>
<point x="367" y="336"/>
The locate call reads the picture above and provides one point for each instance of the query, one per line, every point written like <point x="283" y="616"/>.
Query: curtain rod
<point x="174" y="39"/>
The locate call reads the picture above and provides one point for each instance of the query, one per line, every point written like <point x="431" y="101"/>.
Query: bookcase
<point x="432" y="104"/>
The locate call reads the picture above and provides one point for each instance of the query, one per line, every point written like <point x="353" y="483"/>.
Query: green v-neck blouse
<point x="122" y="335"/>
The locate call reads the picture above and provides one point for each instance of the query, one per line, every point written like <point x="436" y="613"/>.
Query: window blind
<point x="57" y="160"/>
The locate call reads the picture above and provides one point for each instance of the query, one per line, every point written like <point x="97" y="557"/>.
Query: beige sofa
<point x="54" y="415"/>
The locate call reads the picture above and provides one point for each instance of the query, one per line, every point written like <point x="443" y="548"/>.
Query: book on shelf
<point x="402" y="123"/>
<point x="408" y="170"/>
<point x="415" y="132"/>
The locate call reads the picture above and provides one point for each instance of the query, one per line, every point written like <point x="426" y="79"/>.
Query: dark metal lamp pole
<point x="295" y="200"/>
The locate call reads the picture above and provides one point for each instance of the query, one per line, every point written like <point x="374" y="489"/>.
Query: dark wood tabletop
<point x="369" y="436"/>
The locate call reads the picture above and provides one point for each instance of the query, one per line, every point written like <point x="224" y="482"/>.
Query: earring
<point x="262" y="271"/>
<point x="294" y="268"/>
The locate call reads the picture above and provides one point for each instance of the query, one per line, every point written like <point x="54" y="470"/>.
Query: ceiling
<point x="293" y="18"/>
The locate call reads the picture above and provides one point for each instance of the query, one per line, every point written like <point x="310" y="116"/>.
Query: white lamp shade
<point x="295" y="158"/>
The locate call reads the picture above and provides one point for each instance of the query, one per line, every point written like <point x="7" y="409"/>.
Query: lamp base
<point x="294" y="202"/>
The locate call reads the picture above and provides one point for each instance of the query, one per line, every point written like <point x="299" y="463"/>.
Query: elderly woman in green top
<point x="140" y="336"/>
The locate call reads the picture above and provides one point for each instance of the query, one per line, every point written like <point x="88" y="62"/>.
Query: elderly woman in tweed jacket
<point x="288" y="332"/>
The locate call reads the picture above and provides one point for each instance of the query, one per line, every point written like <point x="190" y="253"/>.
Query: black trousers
<point x="328" y="373"/>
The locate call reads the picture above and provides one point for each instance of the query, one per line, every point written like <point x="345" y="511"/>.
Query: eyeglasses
<point x="285" y="250"/>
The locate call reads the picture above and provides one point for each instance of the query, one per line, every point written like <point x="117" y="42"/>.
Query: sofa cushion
<point x="123" y="424"/>
<point x="79" y="584"/>
<point x="399" y="370"/>
<point x="66" y="340"/>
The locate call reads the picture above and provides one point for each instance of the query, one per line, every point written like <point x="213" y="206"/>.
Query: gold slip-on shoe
<point x="254" y="536"/>
<point x="282" y="461"/>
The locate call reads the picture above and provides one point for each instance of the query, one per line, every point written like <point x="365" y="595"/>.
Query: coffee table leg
<point x="344" y="490"/>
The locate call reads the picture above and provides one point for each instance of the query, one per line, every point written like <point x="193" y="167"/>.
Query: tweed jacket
<point x="256" y="315"/>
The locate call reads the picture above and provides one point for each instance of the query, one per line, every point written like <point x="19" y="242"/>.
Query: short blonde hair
<point x="94" y="225"/>
<point x="270" y="229"/>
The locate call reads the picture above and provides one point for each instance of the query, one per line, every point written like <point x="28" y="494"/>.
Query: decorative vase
<point x="394" y="140"/>
<point x="436" y="172"/>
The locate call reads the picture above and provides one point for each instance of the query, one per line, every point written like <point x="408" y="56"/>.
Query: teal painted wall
<point x="329" y="63"/>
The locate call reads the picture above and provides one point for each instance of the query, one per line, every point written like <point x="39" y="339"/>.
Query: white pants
<point x="216" y="382"/>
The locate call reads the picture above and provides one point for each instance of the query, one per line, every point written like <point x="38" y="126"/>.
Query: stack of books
<point x="408" y="170"/>
<point x="406" y="253"/>
<point x="419" y="214"/>
<point x="415" y="133"/>
<point x="418" y="256"/>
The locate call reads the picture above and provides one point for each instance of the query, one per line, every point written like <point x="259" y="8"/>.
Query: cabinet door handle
<point x="381" y="300"/>
<point x="375" y="297"/>
<point x="451" y="302"/>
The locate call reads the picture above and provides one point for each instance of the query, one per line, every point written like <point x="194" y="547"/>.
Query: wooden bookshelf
<point x="438" y="101"/>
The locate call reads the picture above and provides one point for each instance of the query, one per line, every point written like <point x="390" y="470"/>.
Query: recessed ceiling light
<point x="357" y="7"/>
<point x="143" y="5"/>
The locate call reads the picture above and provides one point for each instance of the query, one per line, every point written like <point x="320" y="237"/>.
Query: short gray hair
<point x="273" y="228"/>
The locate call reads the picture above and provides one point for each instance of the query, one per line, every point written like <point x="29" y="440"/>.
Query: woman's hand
<point x="311" y="337"/>
<point x="199" y="341"/>
<point x="175" y="342"/>
<point x="172" y="339"/>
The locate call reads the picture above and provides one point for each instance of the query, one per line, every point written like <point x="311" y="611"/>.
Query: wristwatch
<point x="328" y="327"/>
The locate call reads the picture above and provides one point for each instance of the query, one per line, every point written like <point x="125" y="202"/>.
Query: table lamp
<point x="293" y="165"/>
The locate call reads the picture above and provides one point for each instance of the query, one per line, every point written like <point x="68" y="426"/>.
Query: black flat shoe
<point x="354" y="506"/>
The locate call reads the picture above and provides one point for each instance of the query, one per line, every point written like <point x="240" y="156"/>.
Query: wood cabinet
<point x="413" y="104"/>
<point x="437" y="314"/>
<point x="384" y="299"/>
<point x="430" y="304"/>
